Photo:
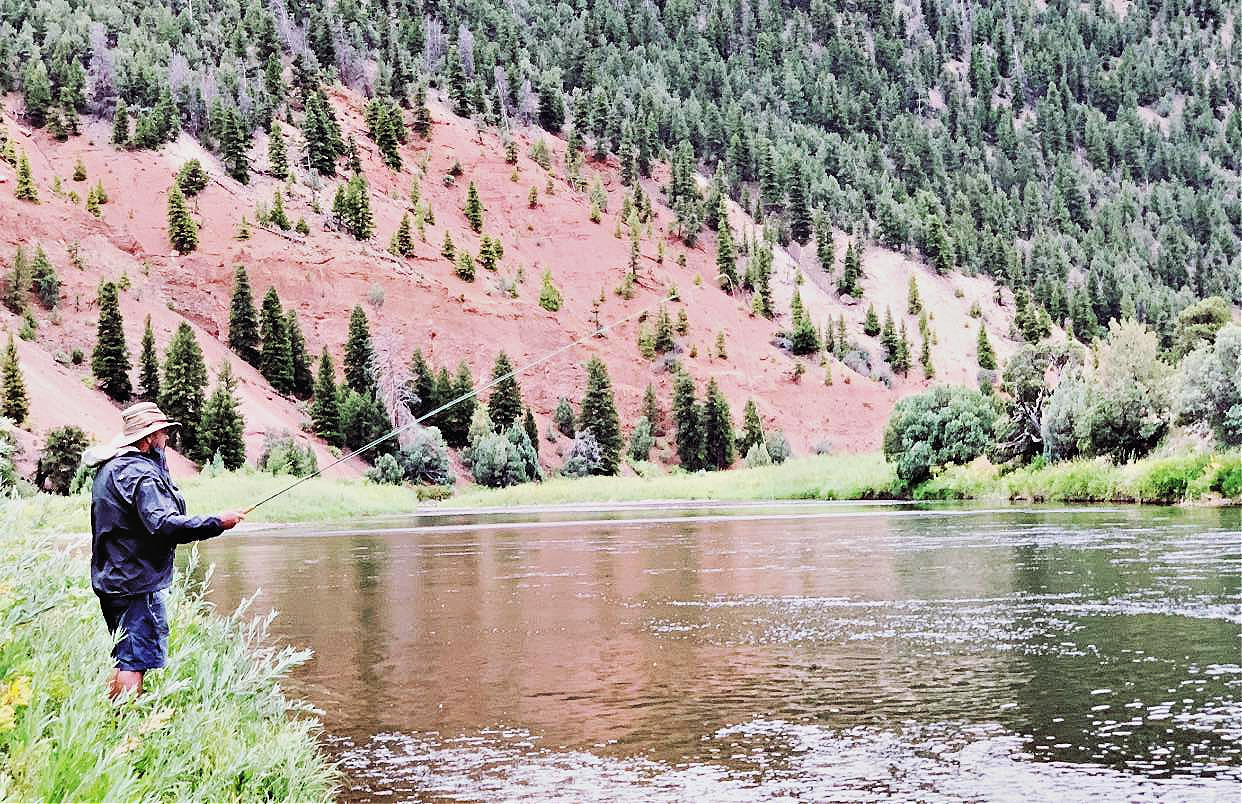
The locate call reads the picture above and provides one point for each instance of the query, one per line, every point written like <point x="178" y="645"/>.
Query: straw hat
<point x="140" y="420"/>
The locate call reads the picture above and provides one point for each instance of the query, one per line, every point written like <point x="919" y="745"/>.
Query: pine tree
<point x="474" y="208"/>
<point x="455" y="80"/>
<point x="323" y="144"/>
<point x="987" y="357"/>
<point x="303" y="381"/>
<point x="901" y="360"/>
<point x="402" y="243"/>
<point x="718" y="436"/>
<point x="550" y="297"/>
<point x="234" y="142"/>
<point x="26" y="189"/>
<point x="182" y="230"/>
<point x="532" y="429"/>
<point x="888" y="336"/>
<point x="325" y="415"/>
<point x="422" y="115"/>
<point x="851" y="274"/>
<point x="726" y="260"/>
<point x="799" y="210"/>
<point x="448" y="251"/>
<point x="925" y="358"/>
<point x="505" y="404"/>
<point x="456" y="420"/>
<point x="184" y="385"/>
<point x="871" y="325"/>
<point x="275" y="355"/>
<point x="110" y="360"/>
<point x="277" y="152"/>
<point x="914" y="305"/>
<point x="222" y="430"/>
<point x="824" y="247"/>
<point x="243" y="320"/>
<point x="16" y="404"/>
<point x="598" y="414"/>
<point x="804" y="340"/>
<point x="689" y="427"/>
<point x="120" y="125"/>
<point x="464" y="267"/>
<point x="358" y="354"/>
<point x="352" y="208"/>
<point x="651" y="410"/>
<point x="422" y="383"/>
<point x="664" y="332"/>
<point x="752" y="427"/>
<point x="149" y="366"/>
<point x="939" y="249"/>
<point x="442" y="394"/>
<point x="192" y="178"/>
<point x="44" y="279"/>
<point x="277" y="214"/>
<point x="17" y="282"/>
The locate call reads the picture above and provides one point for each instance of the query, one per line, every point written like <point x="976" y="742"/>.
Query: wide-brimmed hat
<point x="139" y="421"/>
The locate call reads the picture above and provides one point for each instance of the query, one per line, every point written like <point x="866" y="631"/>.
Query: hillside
<point x="419" y="303"/>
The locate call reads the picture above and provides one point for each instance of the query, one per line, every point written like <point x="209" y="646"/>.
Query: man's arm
<point x="159" y="515"/>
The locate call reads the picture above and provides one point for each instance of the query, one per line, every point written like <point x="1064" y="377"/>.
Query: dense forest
<point x="1085" y="154"/>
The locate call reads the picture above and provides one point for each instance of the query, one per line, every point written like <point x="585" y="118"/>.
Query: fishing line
<point x="519" y="370"/>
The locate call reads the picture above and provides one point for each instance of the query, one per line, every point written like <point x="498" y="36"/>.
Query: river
<point x="799" y="651"/>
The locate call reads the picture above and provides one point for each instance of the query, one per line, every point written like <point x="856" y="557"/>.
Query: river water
<point x="812" y="652"/>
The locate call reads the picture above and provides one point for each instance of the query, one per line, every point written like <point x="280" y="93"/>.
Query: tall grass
<point x="212" y="726"/>
<point x="821" y="477"/>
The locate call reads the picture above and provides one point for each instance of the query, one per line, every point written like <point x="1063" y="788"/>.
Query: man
<point x="137" y="520"/>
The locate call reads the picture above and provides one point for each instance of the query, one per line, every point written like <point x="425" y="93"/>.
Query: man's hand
<point x="229" y="519"/>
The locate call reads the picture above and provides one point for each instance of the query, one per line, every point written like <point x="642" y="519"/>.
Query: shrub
<point x="1207" y="391"/>
<point x="1059" y="424"/>
<point x="641" y="440"/>
<point x="425" y="460"/>
<point x="386" y="471"/>
<point x="495" y="462"/>
<point x="282" y="454"/>
<point x="549" y="297"/>
<point x="944" y="425"/>
<point x="59" y="459"/>
<point x="1128" y="403"/>
<point x="585" y="458"/>
<point x="1168" y="479"/>
<point x="564" y="417"/>
<point x="757" y="455"/>
<point x="777" y="446"/>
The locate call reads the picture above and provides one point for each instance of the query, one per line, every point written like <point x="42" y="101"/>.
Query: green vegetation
<point x="61" y="738"/>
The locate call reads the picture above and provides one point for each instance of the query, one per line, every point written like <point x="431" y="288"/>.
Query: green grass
<point x="212" y="726"/>
<point x="822" y="477"/>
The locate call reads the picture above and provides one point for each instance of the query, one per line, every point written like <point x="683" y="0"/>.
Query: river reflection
<point x="810" y="652"/>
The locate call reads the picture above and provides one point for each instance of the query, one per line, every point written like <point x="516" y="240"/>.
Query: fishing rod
<point x="513" y="373"/>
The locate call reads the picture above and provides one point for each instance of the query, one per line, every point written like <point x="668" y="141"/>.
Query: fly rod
<point x="452" y="402"/>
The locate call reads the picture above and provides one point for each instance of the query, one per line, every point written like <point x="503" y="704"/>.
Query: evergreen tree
<point x="456" y="420"/>
<point x="16" y="404"/>
<point x="120" y="125"/>
<point x="325" y="415"/>
<point x="243" y="320"/>
<point x="532" y="430"/>
<point x="422" y="115"/>
<point x="183" y="388"/>
<point x="182" y="230"/>
<point x="504" y="406"/>
<point x="44" y="279"/>
<point x="358" y="354"/>
<point x="110" y="360"/>
<point x="222" y="430"/>
<point x="402" y="243"/>
<point x="851" y="273"/>
<point x="26" y="189"/>
<point x="939" y="249"/>
<point x="888" y="336"/>
<point x="192" y="178"/>
<point x="422" y="381"/>
<point x="321" y="134"/>
<point x="474" y="208"/>
<point x="799" y="211"/>
<point x="914" y="305"/>
<point x="901" y="359"/>
<point x="825" y="250"/>
<point x="442" y="394"/>
<point x="664" y="332"/>
<point x="803" y="338"/>
<point x="752" y="428"/>
<point x="352" y="208"/>
<point x="448" y="251"/>
<point x="871" y="324"/>
<point x="726" y="260"/>
<point x="598" y="415"/>
<point x="925" y="359"/>
<point x="277" y="152"/>
<point x="17" y="282"/>
<point x="987" y="358"/>
<point x="717" y="428"/>
<point x="651" y="410"/>
<point x="455" y="80"/>
<point x="234" y="142"/>
<point x="303" y="381"/>
<point x="149" y="366"/>
<point x="686" y="419"/>
<point x="551" y="104"/>
<point x="275" y="356"/>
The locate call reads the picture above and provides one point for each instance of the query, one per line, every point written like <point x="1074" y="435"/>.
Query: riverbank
<point x="212" y="726"/>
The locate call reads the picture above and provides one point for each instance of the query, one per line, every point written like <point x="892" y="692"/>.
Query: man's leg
<point x="123" y="680"/>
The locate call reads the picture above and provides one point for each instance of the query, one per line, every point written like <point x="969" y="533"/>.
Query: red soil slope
<point x="418" y="302"/>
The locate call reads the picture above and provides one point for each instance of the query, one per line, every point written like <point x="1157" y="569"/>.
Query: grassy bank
<point x="212" y="726"/>
<point x="1173" y="479"/>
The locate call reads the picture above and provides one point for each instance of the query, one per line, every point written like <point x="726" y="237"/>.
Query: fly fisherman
<point x="137" y="520"/>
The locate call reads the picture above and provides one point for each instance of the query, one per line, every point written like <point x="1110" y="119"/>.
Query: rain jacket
<point x="137" y="520"/>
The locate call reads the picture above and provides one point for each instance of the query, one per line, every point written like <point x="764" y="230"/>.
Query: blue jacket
<point x="137" y="520"/>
